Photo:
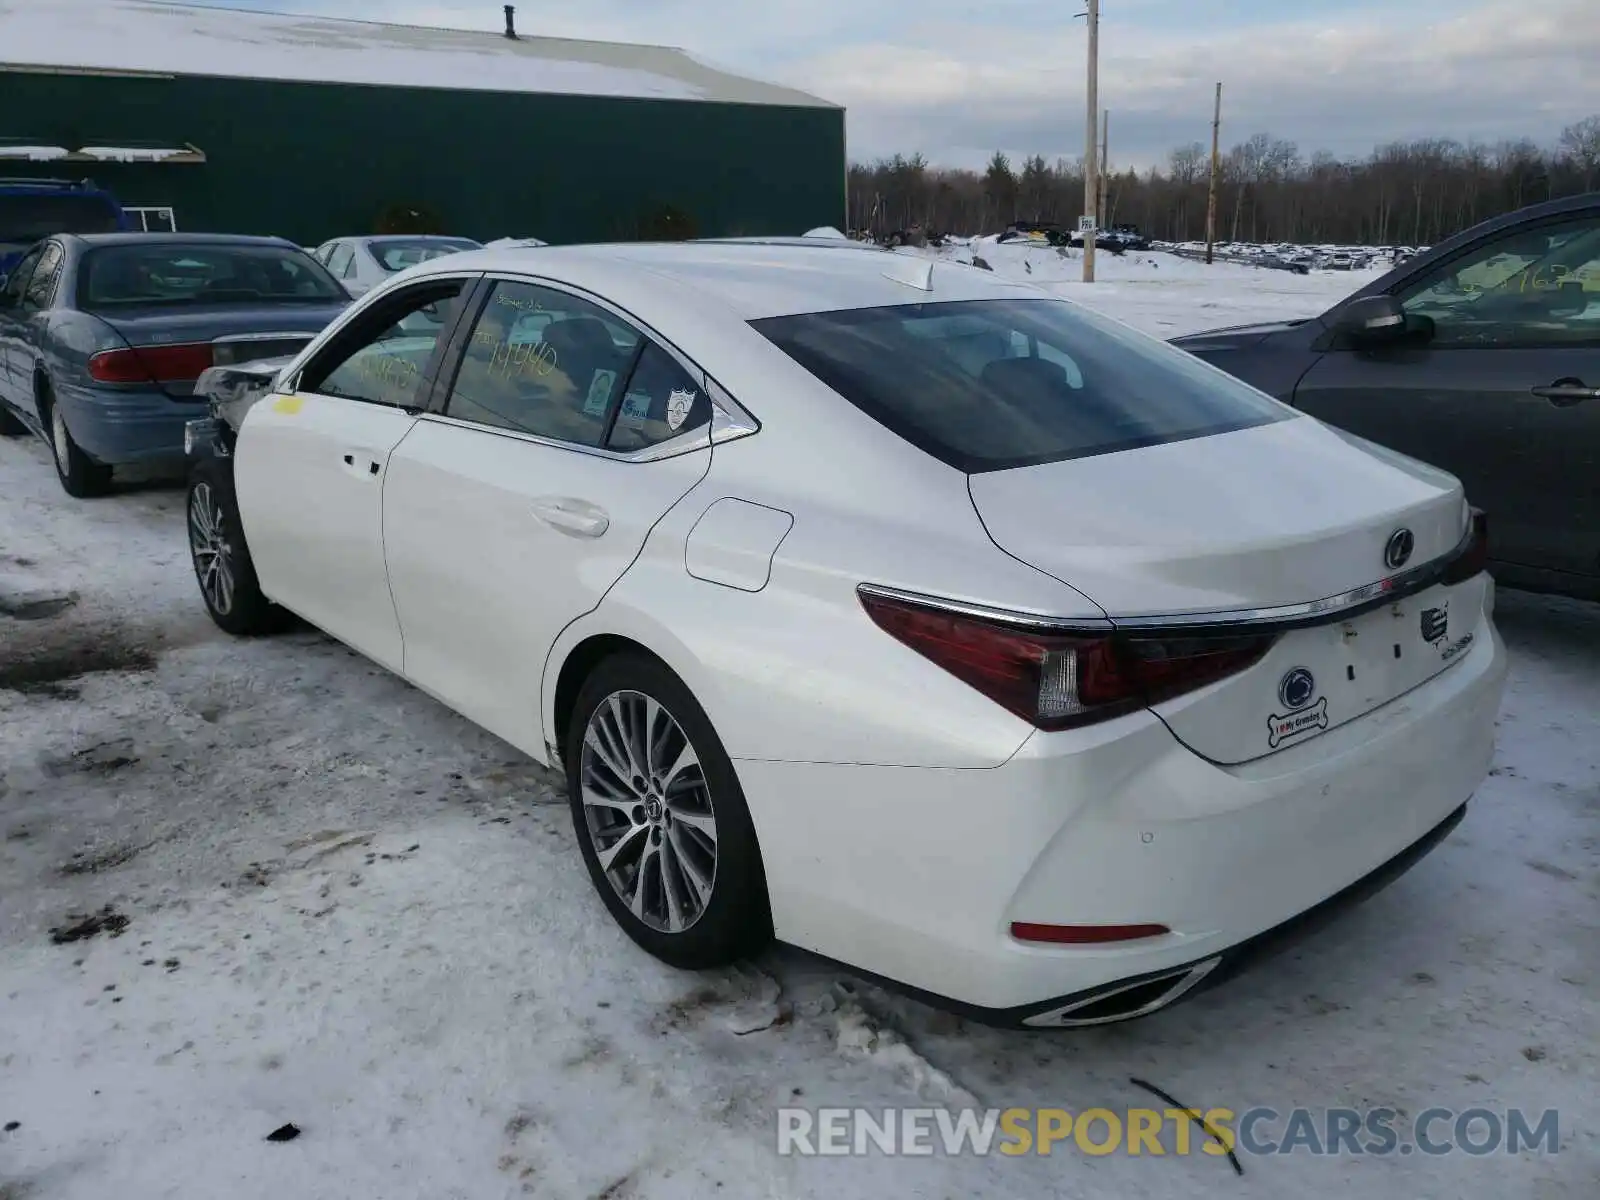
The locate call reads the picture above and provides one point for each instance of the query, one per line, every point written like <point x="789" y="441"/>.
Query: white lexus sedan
<point x="901" y="613"/>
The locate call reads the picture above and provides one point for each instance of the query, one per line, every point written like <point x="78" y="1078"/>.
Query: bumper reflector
<point x="1084" y="935"/>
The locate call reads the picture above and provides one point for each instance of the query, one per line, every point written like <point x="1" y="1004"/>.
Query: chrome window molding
<point x="1285" y="616"/>
<point x="688" y="443"/>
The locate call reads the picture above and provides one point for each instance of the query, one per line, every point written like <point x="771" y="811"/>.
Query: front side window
<point x="1538" y="287"/>
<point x="384" y="355"/>
<point x="543" y="362"/>
<point x="201" y="273"/>
<point x="985" y="385"/>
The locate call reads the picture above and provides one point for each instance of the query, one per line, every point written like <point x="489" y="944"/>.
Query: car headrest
<point x="1023" y="375"/>
<point x="582" y="337"/>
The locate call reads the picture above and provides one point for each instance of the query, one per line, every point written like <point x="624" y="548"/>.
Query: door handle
<point x="1564" y="393"/>
<point x="568" y="515"/>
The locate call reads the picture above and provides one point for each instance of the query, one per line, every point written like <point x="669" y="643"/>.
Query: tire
<point x="222" y="565"/>
<point x="10" y="424"/>
<point x="669" y="821"/>
<point x="81" y="477"/>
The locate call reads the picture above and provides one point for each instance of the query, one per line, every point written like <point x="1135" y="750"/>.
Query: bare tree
<point x="1580" y="142"/>
<point x="1418" y="192"/>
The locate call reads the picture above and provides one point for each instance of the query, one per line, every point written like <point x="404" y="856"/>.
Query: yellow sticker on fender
<point x="287" y="404"/>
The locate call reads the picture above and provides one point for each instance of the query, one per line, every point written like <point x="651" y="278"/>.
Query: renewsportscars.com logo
<point x="1160" y="1132"/>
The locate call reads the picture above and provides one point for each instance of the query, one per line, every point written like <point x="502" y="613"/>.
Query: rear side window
<point x="985" y="385"/>
<point x="340" y="259"/>
<point x="542" y="362"/>
<point x="42" y="286"/>
<point x="661" y="401"/>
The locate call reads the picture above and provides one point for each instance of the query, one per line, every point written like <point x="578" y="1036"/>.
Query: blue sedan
<point x="102" y="337"/>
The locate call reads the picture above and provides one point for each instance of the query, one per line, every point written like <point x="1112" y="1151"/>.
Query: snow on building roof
<point x="143" y="37"/>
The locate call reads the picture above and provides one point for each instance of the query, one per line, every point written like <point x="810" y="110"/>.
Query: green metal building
<point x="308" y="128"/>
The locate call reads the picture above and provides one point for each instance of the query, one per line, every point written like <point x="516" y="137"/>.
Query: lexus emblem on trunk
<point x="1398" y="550"/>
<point x="1296" y="689"/>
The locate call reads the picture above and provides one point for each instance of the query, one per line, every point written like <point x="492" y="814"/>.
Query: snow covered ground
<point x="1163" y="294"/>
<point x="348" y="909"/>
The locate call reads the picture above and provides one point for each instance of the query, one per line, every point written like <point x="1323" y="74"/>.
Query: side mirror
<point x="1372" y="320"/>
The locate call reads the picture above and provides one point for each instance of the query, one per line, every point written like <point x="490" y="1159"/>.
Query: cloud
<point x="1490" y="72"/>
<point x="958" y="80"/>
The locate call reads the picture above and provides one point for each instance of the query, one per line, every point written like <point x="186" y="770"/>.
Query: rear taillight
<point x="180" y="363"/>
<point x="1473" y="560"/>
<point x="1060" y="679"/>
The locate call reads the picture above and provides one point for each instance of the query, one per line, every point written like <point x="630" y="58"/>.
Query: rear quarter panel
<point x="797" y="671"/>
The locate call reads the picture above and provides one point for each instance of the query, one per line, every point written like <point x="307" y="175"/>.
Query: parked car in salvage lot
<point x="1482" y="356"/>
<point x="361" y="263"/>
<point x="103" y="336"/>
<point x="917" y="618"/>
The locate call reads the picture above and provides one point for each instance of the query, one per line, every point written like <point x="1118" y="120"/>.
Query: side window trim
<point x="729" y="419"/>
<point x="333" y="341"/>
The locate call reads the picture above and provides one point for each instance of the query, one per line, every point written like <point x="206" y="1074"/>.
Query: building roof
<point x="141" y="37"/>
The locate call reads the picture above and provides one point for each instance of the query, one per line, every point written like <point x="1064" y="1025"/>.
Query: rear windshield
<point x="396" y="254"/>
<point x="31" y="217"/>
<point x="174" y="273"/>
<point x="985" y="385"/>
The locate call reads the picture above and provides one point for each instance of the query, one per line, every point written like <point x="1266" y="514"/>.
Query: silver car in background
<point x="361" y="263"/>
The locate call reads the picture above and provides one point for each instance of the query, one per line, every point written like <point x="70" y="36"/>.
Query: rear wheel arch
<point x="81" y="476"/>
<point x="733" y="919"/>
<point x="579" y="663"/>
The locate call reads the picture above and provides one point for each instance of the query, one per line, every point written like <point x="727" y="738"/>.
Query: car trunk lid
<point x="172" y="347"/>
<point x="1278" y="517"/>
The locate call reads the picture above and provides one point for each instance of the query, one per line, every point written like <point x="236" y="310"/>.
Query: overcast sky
<point x="959" y="79"/>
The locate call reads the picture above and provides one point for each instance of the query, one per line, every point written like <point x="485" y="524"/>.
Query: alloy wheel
<point x="208" y="542"/>
<point x="648" y="811"/>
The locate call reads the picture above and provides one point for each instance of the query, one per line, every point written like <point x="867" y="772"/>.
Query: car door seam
<point x="383" y="539"/>
<point x="544" y="674"/>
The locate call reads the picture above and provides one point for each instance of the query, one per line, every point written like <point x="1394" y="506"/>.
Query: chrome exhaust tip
<point x="1127" y="1001"/>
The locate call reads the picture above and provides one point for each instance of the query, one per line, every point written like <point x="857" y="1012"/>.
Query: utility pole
<point x="1103" y="211"/>
<point x="1091" y="170"/>
<point x="1216" y="166"/>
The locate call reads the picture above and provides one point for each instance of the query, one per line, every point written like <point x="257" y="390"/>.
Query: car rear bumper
<point x="916" y="875"/>
<point x="126" y="427"/>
